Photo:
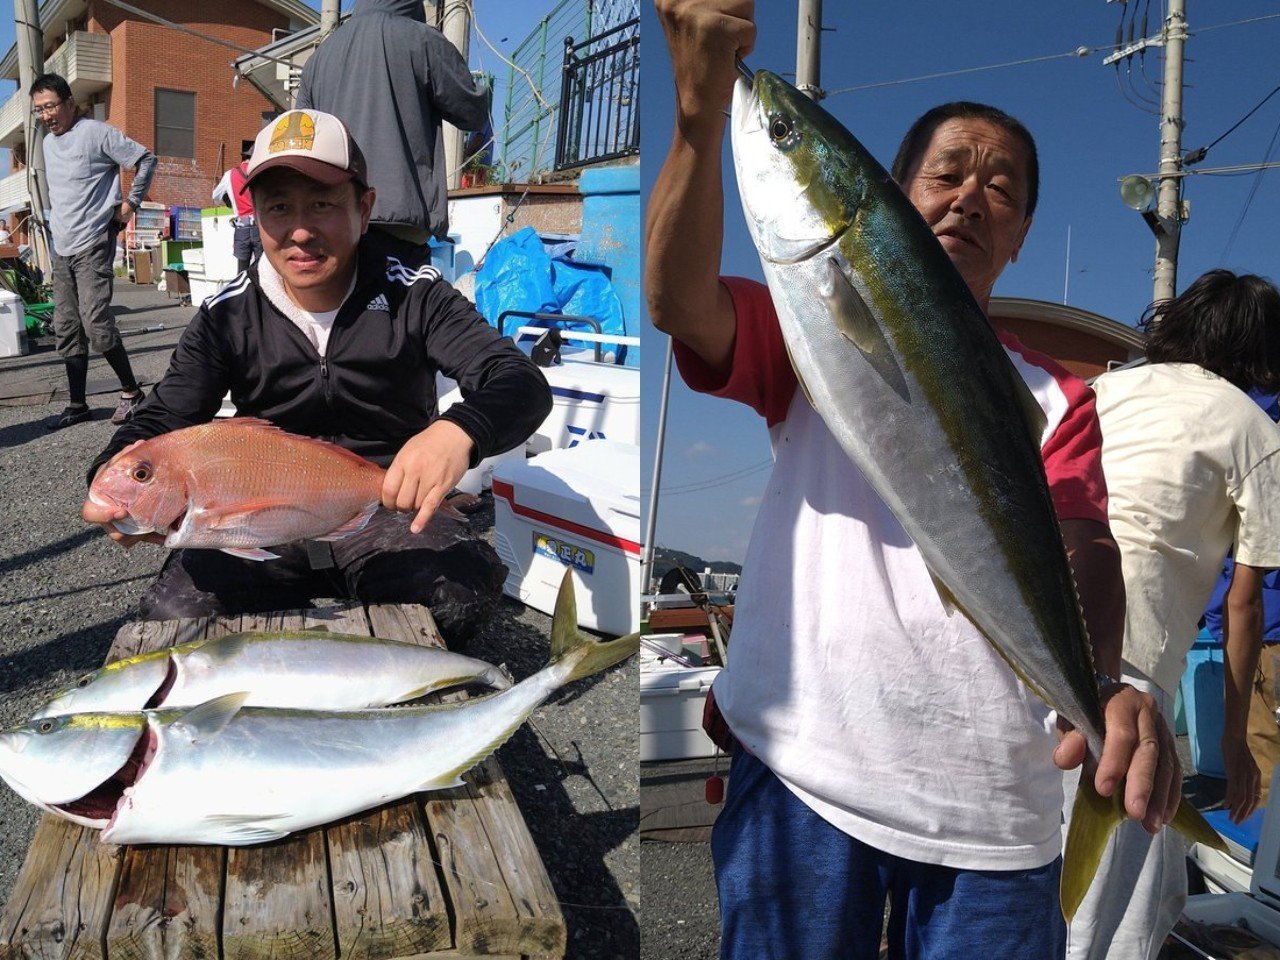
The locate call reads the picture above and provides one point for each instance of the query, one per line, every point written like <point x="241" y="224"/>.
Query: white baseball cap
<point x="316" y="145"/>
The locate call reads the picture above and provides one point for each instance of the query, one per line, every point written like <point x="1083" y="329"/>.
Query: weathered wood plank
<point x="60" y="903"/>
<point x="277" y="901"/>
<point x="541" y="922"/>
<point x="502" y="897"/>
<point x="387" y="899"/>
<point x="167" y="898"/>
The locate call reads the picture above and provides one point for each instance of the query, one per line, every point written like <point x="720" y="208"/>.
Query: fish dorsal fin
<point x="210" y="654"/>
<point x="210" y="718"/>
<point x="857" y="324"/>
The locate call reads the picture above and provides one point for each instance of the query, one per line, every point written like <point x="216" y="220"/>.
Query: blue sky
<point x="1088" y="136"/>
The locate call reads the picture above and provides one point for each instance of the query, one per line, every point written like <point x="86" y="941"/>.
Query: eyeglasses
<point x="47" y="108"/>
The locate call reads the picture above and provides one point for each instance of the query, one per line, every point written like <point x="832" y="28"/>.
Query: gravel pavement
<point x="66" y="589"/>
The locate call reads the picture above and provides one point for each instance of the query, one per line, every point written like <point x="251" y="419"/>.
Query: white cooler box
<point x="672" y="698"/>
<point x="13" y="325"/>
<point x="1259" y="909"/>
<point x="575" y="509"/>
<point x="589" y="401"/>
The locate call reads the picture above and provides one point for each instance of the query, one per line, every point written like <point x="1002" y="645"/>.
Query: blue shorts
<point x="793" y="886"/>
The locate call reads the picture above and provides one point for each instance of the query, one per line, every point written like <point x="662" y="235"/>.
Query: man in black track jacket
<point x="338" y="334"/>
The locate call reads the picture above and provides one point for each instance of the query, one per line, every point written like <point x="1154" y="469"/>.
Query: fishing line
<point x="717" y="481"/>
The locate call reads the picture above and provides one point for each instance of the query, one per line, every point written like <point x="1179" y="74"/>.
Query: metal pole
<point x="329" y="12"/>
<point x="456" y="27"/>
<point x="1066" y="273"/>
<point x="1168" y="209"/>
<point x="30" y="43"/>
<point x="809" y="49"/>
<point x="650" y="531"/>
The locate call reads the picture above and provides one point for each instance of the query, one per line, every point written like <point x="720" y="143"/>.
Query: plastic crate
<point x="185" y="223"/>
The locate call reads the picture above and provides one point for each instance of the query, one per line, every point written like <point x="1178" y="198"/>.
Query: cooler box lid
<point x="594" y="485"/>
<point x="668" y="679"/>
<point x="1266" y="862"/>
<point x="593" y="382"/>
<point x="1242" y="840"/>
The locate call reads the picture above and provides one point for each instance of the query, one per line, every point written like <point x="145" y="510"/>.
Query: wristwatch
<point x="1105" y="679"/>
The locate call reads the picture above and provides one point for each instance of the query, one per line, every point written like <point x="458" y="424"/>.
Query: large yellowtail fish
<point x="903" y="367"/>
<point x="304" y="669"/>
<point x="229" y="774"/>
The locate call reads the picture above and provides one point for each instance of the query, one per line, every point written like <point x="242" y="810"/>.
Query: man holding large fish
<point x="882" y="744"/>
<point x="329" y="348"/>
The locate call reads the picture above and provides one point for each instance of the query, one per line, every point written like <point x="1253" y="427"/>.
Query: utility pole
<point x="330" y="11"/>
<point x="30" y="43"/>
<point x="809" y="49"/>
<point x="456" y="27"/>
<point x="1168" y="207"/>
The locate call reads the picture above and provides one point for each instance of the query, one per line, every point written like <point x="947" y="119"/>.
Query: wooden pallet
<point x="452" y="873"/>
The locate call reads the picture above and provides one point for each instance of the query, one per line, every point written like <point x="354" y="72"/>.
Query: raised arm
<point x="684" y="227"/>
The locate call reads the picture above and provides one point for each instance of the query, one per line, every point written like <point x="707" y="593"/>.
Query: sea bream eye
<point x="141" y="473"/>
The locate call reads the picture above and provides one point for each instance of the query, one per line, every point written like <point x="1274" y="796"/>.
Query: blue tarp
<point x="520" y="274"/>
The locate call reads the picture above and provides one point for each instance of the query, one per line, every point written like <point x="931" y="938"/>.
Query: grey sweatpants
<point x="1141" y="884"/>
<point x="82" y="286"/>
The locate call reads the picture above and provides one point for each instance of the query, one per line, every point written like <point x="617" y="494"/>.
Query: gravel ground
<point x="65" y="590"/>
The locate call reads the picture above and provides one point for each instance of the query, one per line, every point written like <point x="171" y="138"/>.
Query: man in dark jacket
<point x="392" y="79"/>
<point x="337" y="335"/>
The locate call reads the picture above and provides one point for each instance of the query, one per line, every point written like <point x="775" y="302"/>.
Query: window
<point x="175" y="123"/>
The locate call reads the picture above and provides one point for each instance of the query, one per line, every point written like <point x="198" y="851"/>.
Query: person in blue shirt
<point x="1264" y="722"/>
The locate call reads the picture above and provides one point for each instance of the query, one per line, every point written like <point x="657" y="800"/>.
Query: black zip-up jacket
<point x="374" y="389"/>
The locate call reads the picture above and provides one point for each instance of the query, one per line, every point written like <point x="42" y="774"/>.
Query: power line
<point x="711" y="482"/>
<point x="1253" y="191"/>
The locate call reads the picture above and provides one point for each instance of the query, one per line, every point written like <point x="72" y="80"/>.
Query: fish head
<point x="124" y="685"/>
<point x="802" y="176"/>
<point x="59" y="760"/>
<point x="143" y="481"/>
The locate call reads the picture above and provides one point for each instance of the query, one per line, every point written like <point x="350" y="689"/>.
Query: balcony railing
<point x="13" y="191"/>
<point x="84" y="60"/>
<point x="600" y="98"/>
<point x="12" y="114"/>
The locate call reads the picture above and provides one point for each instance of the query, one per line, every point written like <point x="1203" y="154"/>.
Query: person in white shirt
<point x="1192" y="471"/>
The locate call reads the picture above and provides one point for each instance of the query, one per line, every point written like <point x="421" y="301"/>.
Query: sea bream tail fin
<point x="1093" y="819"/>
<point x="587" y="654"/>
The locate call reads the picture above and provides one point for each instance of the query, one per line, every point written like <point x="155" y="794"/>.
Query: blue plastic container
<point x="1202" y="700"/>
<point x="610" y="212"/>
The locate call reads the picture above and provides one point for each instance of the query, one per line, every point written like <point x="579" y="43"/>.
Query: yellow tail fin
<point x="567" y="641"/>
<point x="1093" y="818"/>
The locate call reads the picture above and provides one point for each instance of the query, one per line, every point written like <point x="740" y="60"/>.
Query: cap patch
<point x="294" y="131"/>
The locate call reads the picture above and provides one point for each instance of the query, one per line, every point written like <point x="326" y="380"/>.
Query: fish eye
<point x="780" y="129"/>
<point x="141" y="473"/>
<point x="45" y="726"/>
<point x="85" y="680"/>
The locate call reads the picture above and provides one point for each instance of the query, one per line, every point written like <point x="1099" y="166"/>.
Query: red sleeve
<point x="760" y="373"/>
<point x="1073" y="452"/>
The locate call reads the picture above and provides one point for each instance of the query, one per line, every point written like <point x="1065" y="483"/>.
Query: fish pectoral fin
<point x="251" y="553"/>
<point x="355" y="524"/>
<point x="808" y="394"/>
<point x="1093" y="819"/>
<point x="244" y="513"/>
<point x="1188" y="822"/>
<point x="210" y="718"/>
<point x="242" y="830"/>
<point x="857" y="324"/>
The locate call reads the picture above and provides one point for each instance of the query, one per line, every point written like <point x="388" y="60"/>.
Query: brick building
<point x="167" y="89"/>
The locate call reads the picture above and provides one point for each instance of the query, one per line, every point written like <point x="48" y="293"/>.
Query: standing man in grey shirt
<point x="410" y="78"/>
<point x="84" y="158"/>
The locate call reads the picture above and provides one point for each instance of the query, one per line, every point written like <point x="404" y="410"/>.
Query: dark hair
<point x="53" y="83"/>
<point x="911" y="150"/>
<point x="1228" y="324"/>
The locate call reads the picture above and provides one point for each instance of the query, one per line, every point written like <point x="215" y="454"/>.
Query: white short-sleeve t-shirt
<point x="1191" y="467"/>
